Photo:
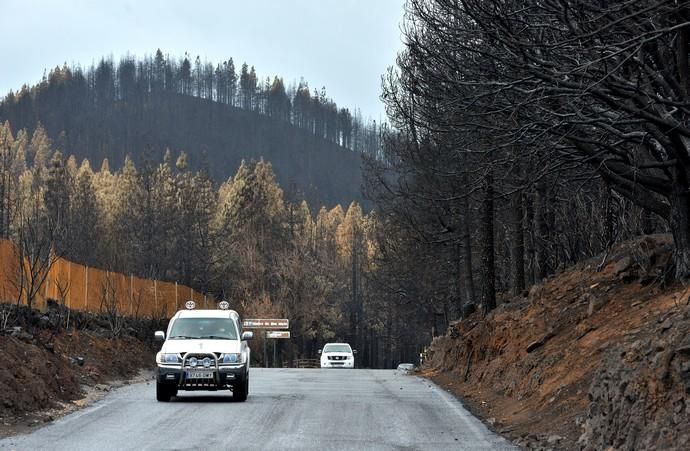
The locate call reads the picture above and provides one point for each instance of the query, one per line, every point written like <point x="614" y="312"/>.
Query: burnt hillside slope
<point x="587" y="360"/>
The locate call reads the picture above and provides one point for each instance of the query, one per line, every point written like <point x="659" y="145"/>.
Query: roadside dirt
<point x="45" y="375"/>
<point x="587" y="360"/>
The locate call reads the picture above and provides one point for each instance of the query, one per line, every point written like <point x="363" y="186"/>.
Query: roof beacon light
<point x="224" y="305"/>
<point x="190" y="305"/>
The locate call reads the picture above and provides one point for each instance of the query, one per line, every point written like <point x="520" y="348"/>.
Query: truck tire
<point x="163" y="392"/>
<point x="241" y="391"/>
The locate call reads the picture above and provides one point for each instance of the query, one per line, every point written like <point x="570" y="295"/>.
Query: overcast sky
<point x="344" y="45"/>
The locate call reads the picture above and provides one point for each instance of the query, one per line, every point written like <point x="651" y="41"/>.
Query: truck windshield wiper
<point x="181" y="336"/>
<point x="216" y="337"/>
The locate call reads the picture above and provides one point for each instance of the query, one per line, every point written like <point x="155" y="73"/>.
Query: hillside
<point x="587" y="360"/>
<point x="69" y="360"/>
<point x="83" y="121"/>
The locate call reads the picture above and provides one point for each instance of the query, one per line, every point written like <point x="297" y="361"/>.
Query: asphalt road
<point x="286" y="409"/>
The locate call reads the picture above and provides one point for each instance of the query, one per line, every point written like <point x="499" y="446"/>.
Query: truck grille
<point x="337" y="357"/>
<point x="199" y="382"/>
<point x="217" y="354"/>
<point x="200" y="356"/>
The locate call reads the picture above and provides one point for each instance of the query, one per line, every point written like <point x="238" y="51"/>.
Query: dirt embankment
<point x="48" y="370"/>
<point x="588" y="360"/>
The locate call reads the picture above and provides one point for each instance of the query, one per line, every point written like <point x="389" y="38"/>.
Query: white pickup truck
<point x="337" y="355"/>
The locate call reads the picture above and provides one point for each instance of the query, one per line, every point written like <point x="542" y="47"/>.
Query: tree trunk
<point x="387" y="350"/>
<point x="487" y="246"/>
<point x="540" y="232"/>
<point x="362" y="348"/>
<point x="354" y="318"/>
<point x="680" y="223"/>
<point x="648" y="226"/>
<point x="529" y="238"/>
<point x="3" y="206"/>
<point x="460" y="300"/>
<point x="609" y="220"/>
<point x="370" y="346"/>
<point x="468" y="281"/>
<point x="680" y="205"/>
<point x="467" y="261"/>
<point x="683" y="44"/>
<point x="8" y="207"/>
<point x="517" y="245"/>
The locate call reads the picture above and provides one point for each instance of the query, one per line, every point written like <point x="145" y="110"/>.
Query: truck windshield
<point x="212" y="328"/>
<point x="337" y="348"/>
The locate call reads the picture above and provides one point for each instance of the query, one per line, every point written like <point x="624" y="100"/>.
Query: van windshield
<point x="212" y="328"/>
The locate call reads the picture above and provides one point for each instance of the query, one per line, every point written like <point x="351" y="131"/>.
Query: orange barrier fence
<point x="95" y="290"/>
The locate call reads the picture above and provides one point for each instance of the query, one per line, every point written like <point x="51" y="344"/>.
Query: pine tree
<point x="245" y="94"/>
<point x="350" y="237"/>
<point x="204" y="201"/>
<point x="231" y="78"/>
<point x="71" y="167"/>
<point x="161" y="240"/>
<point x="104" y="183"/>
<point x="7" y="150"/>
<point x="186" y="76"/>
<point x="278" y="103"/>
<point x="84" y="227"/>
<point x="252" y="85"/>
<point x="158" y="72"/>
<point x="327" y="224"/>
<point x="39" y="149"/>
<point x="57" y="200"/>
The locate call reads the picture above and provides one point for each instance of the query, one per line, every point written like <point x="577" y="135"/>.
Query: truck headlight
<point x="231" y="357"/>
<point x="168" y="358"/>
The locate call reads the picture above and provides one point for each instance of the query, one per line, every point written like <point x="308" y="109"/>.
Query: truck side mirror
<point x="247" y="335"/>
<point x="159" y="335"/>
<point x="319" y="351"/>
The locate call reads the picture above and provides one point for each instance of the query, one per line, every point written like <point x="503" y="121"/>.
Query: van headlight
<point x="168" y="358"/>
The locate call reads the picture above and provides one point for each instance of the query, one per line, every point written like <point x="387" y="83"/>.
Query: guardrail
<point x="306" y="363"/>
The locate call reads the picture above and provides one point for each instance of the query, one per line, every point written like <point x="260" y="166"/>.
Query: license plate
<point x="199" y="374"/>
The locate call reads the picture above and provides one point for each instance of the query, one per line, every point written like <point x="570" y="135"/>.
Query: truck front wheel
<point x="240" y="391"/>
<point x="164" y="392"/>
